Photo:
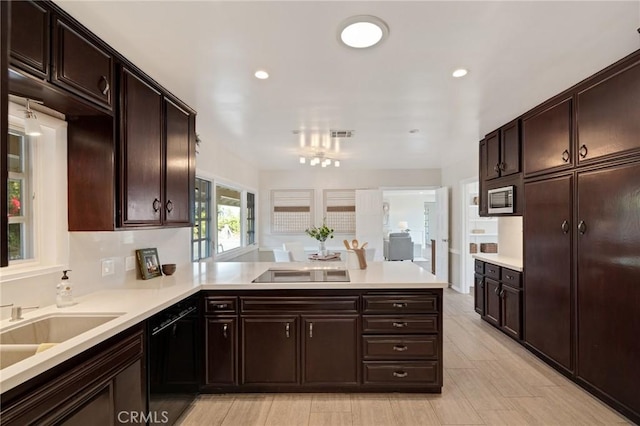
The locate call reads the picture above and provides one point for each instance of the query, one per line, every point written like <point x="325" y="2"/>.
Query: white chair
<point x="281" y="255"/>
<point x="297" y="251"/>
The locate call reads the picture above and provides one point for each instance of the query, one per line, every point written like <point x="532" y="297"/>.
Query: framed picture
<point x="148" y="263"/>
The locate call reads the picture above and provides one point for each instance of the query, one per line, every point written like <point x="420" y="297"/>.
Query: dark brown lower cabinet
<point x="91" y="388"/>
<point x="492" y="301"/>
<point x="330" y="350"/>
<point x="510" y="311"/>
<point x="478" y="294"/>
<point x="221" y="343"/>
<point x="269" y="350"/>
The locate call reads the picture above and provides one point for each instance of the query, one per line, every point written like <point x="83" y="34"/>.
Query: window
<point x="20" y="230"/>
<point x="37" y="227"/>
<point x="228" y="219"/>
<point x="201" y="235"/>
<point x="251" y="218"/>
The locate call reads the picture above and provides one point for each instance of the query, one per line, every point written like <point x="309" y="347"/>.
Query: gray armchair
<point x="398" y="247"/>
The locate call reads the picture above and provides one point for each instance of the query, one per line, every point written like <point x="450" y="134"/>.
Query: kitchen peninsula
<point x="380" y="331"/>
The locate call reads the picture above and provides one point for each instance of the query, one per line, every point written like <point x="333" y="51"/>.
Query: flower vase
<point x="322" y="251"/>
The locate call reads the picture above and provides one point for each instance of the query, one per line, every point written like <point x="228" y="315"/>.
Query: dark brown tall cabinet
<point x="582" y="233"/>
<point x="548" y="224"/>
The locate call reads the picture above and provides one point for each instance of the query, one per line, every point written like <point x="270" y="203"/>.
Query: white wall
<point x="465" y="168"/>
<point x="329" y="178"/>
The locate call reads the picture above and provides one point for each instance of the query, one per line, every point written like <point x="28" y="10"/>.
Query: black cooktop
<point x="302" y="275"/>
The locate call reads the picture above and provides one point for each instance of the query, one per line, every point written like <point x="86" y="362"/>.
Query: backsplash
<point x="510" y="236"/>
<point x="86" y="252"/>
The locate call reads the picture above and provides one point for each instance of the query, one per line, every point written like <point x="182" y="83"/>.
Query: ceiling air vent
<point x="342" y="133"/>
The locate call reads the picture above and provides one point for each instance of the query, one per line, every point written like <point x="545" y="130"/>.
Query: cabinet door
<point x="483" y="209"/>
<point x="80" y="66"/>
<point x="510" y="149"/>
<point x="492" y="301"/>
<point x="492" y="165"/>
<point x="608" y="116"/>
<point x="609" y="282"/>
<point x="220" y="349"/>
<point x="141" y="152"/>
<point x="547" y="262"/>
<point x="30" y="28"/>
<point x="178" y="151"/>
<point x="95" y="409"/>
<point x="511" y="311"/>
<point x="478" y="293"/>
<point x="546" y="139"/>
<point x="330" y="350"/>
<point x="269" y="350"/>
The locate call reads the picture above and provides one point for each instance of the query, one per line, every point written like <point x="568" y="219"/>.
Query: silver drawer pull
<point x="221" y="306"/>
<point x="400" y="305"/>
<point x="509" y="277"/>
<point x="399" y="324"/>
<point x="400" y="348"/>
<point x="400" y="374"/>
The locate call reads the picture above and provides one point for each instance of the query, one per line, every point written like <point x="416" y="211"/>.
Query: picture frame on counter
<point x="148" y="263"/>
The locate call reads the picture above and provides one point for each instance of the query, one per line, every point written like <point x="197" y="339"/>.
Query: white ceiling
<point x="518" y="54"/>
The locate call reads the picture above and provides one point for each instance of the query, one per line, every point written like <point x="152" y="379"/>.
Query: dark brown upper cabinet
<point x="30" y="29"/>
<point x="80" y="65"/>
<point x="546" y="138"/>
<point x="157" y="168"/>
<point x="180" y="170"/>
<point x="502" y="152"/>
<point x="607" y="116"/>
<point x="141" y="152"/>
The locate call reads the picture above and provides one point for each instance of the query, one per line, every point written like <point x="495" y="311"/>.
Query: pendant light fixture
<point x="31" y="125"/>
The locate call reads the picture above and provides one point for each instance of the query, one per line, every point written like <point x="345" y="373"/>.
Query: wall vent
<point x="342" y="133"/>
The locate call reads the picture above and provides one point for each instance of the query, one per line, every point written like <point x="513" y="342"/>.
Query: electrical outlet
<point x="108" y="267"/>
<point x="129" y="263"/>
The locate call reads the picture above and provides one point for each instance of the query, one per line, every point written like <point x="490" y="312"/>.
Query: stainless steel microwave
<point x="501" y="200"/>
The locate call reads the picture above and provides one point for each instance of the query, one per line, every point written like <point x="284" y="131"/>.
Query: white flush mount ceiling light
<point x="362" y="31"/>
<point x="460" y="72"/>
<point x="261" y="74"/>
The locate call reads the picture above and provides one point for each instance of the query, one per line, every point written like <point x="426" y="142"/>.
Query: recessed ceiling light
<point x="362" y="31"/>
<point x="262" y="75"/>
<point x="460" y="72"/>
<point x="414" y="131"/>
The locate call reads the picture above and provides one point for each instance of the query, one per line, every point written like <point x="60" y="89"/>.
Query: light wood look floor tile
<point x="289" y="409"/>
<point x="331" y="419"/>
<point x="331" y="402"/>
<point x="488" y="379"/>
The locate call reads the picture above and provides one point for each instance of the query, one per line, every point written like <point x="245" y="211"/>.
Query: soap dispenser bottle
<point x="64" y="292"/>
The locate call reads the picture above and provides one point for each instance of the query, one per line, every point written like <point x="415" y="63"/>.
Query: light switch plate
<point x="129" y="263"/>
<point x="108" y="267"/>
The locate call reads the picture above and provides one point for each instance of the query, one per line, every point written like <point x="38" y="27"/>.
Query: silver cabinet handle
<point x="311" y="329"/>
<point x="225" y="327"/>
<point x="565" y="156"/>
<point x="286" y="330"/>
<point x="582" y="227"/>
<point x="106" y="85"/>
<point x="400" y="305"/>
<point x="399" y="348"/>
<point x="399" y="324"/>
<point x="400" y="374"/>
<point x="583" y="151"/>
<point x="156" y="205"/>
<point x="169" y="206"/>
<point x="565" y="227"/>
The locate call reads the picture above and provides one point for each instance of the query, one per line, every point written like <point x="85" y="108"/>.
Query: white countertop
<point x="139" y="300"/>
<point x="500" y="260"/>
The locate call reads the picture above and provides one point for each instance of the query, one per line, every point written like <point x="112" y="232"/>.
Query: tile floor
<point x="488" y="380"/>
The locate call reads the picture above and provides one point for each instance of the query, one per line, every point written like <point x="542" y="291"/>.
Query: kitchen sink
<point x="53" y="328"/>
<point x="10" y="354"/>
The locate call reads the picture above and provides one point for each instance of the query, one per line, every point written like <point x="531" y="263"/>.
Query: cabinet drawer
<point x="479" y="265"/>
<point x="395" y="347"/>
<point x="426" y="372"/>
<point x="346" y="304"/>
<point x="401" y="303"/>
<point x="220" y="305"/>
<point x="400" y="324"/>
<point x="492" y="271"/>
<point x="511" y="277"/>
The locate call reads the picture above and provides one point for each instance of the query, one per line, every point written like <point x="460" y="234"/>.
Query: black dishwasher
<point x="173" y="363"/>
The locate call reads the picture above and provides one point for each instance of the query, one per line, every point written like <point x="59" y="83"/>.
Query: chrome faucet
<point x="16" y="312"/>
